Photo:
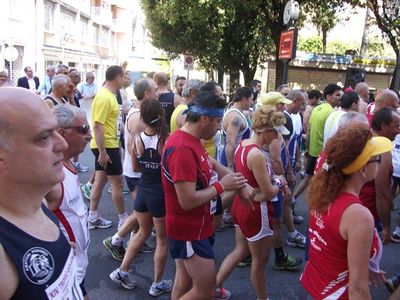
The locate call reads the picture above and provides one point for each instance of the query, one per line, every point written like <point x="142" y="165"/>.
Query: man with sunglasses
<point x="71" y="210"/>
<point x="376" y="195"/>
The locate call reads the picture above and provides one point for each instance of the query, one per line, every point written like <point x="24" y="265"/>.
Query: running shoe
<point x="298" y="241"/>
<point x="395" y="238"/>
<point x="117" y="252"/>
<point x="153" y="232"/>
<point x="297" y="219"/>
<point x="245" y="262"/>
<point x="87" y="191"/>
<point x="123" y="279"/>
<point x="100" y="223"/>
<point x="81" y="168"/>
<point x="146" y="248"/>
<point x="392" y="284"/>
<point x="125" y="191"/>
<point x="228" y="221"/>
<point x="222" y="294"/>
<point x="157" y="289"/>
<point x="290" y="263"/>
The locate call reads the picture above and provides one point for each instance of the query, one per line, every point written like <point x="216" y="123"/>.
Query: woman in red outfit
<point x="253" y="230"/>
<point x="344" y="247"/>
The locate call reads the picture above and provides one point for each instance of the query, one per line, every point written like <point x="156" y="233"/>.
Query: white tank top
<point x="127" y="165"/>
<point x="73" y="216"/>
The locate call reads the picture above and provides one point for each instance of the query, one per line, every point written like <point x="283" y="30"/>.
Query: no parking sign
<point x="188" y="62"/>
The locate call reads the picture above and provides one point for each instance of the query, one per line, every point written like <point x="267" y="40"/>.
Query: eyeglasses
<point x="378" y="160"/>
<point x="83" y="129"/>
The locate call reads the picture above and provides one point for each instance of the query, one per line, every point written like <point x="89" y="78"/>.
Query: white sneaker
<point x="123" y="279"/>
<point x="157" y="289"/>
<point x="99" y="223"/>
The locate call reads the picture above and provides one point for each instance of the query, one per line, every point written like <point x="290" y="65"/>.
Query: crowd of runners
<point x="196" y="161"/>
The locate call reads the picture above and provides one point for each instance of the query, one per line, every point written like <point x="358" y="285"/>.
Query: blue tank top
<point x="150" y="162"/>
<point x="38" y="263"/>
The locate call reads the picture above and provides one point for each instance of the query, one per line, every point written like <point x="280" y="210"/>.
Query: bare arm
<point x="49" y="103"/>
<point x="383" y="196"/>
<point x="232" y="131"/>
<point x="137" y="150"/>
<point x="275" y="156"/>
<point x="256" y="163"/>
<point x="190" y="198"/>
<point x="306" y="117"/>
<point x="180" y="120"/>
<point x="357" y="227"/>
<point x="99" y="137"/>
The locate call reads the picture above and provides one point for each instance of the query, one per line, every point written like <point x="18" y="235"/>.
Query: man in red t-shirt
<point x="192" y="183"/>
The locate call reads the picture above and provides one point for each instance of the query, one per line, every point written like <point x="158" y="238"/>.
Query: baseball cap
<point x="273" y="98"/>
<point x="375" y="146"/>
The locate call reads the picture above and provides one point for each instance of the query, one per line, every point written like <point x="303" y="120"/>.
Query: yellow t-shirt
<point x="177" y="111"/>
<point x="209" y="145"/>
<point x="105" y="111"/>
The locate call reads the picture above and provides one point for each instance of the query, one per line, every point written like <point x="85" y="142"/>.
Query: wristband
<point x="218" y="187"/>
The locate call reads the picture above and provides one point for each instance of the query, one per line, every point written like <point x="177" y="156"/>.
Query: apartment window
<point x="17" y="9"/>
<point x="48" y="16"/>
<point x="84" y="29"/>
<point x="104" y="38"/>
<point x="96" y="30"/>
<point x="67" y="21"/>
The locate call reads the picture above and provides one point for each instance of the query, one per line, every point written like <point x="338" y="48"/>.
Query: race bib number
<point x="119" y="122"/>
<point x="213" y="202"/>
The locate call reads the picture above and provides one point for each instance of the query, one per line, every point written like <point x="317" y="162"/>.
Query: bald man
<point x="36" y="261"/>
<point x="384" y="98"/>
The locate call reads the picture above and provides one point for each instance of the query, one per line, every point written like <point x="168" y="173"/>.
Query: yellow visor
<point x="375" y="146"/>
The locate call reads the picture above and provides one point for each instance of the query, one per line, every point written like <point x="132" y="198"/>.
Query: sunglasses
<point x="378" y="160"/>
<point x="83" y="129"/>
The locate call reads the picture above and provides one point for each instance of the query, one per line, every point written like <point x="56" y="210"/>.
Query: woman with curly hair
<point x="343" y="241"/>
<point x="253" y="230"/>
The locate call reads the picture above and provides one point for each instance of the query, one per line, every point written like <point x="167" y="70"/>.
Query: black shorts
<point x="131" y="182"/>
<point x="82" y="286"/>
<point x="150" y="200"/>
<point x="312" y="160"/>
<point x="115" y="167"/>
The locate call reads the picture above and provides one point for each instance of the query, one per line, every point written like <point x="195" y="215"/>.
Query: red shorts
<point x="254" y="222"/>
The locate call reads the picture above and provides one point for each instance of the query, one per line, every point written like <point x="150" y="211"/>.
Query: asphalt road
<point x="280" y="285"/>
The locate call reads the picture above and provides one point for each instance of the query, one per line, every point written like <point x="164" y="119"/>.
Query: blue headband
<point x="206" y="111"/>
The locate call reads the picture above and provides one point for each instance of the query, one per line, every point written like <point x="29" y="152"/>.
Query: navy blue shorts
<point x="186" y="249"/>
<point x="131" y="182"/>
<point x="277" y="205"/>
<point x="150" y="200"/>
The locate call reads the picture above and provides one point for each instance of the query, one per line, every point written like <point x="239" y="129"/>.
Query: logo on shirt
<point x="38" y="265"/>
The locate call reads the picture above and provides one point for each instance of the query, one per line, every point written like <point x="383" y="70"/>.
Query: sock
<point x="293" y="234"/>
<point x="89" y="184"/>
<point x="122" y="217"/>
<point x="93" y="215"/>
<point x="397" y="230"/>
<point x="116" y="240"/>
<point x="124" y="273"/>
<point x="279" y="254"/>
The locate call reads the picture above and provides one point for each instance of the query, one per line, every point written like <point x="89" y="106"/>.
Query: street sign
<point x="10" y="53"/>
<point x="188" y="62"/>
<point x="288" y="44"/>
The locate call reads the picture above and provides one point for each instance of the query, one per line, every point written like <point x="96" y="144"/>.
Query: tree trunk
<point x="248" y="75"/>
<point x="395" y="83"/>
<point x="234" y="80"/>
<point x="324" y="34"/>
<point x="221" y="77"/>
<point x="364" y="40"/>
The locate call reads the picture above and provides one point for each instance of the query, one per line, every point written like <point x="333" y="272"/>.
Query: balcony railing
<point x="101" y="15"/>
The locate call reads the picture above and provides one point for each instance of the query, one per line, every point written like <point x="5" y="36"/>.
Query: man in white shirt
<point x="29" y="81"/>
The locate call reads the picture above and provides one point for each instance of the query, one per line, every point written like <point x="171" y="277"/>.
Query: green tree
<point x="387" y="14"/>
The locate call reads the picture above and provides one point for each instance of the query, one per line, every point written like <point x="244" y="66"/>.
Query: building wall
<point x="308" y="78"/>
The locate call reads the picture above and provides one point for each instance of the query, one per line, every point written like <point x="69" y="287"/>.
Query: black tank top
<point x="167" y="102"/>
<point x="39" y="263"/>
<point x="54" y="101"/>
<point x="150" y="161"/>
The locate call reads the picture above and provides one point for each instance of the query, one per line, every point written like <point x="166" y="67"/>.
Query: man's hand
<point x="103" y="160"/>
<point x="377" y="279"/>
<point x="291" y="179"/>
<point x="233" y="181"/>
<point x="246" y="195"/>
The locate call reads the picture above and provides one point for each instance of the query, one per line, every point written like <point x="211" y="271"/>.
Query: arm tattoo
<point x="235" y="122"/>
